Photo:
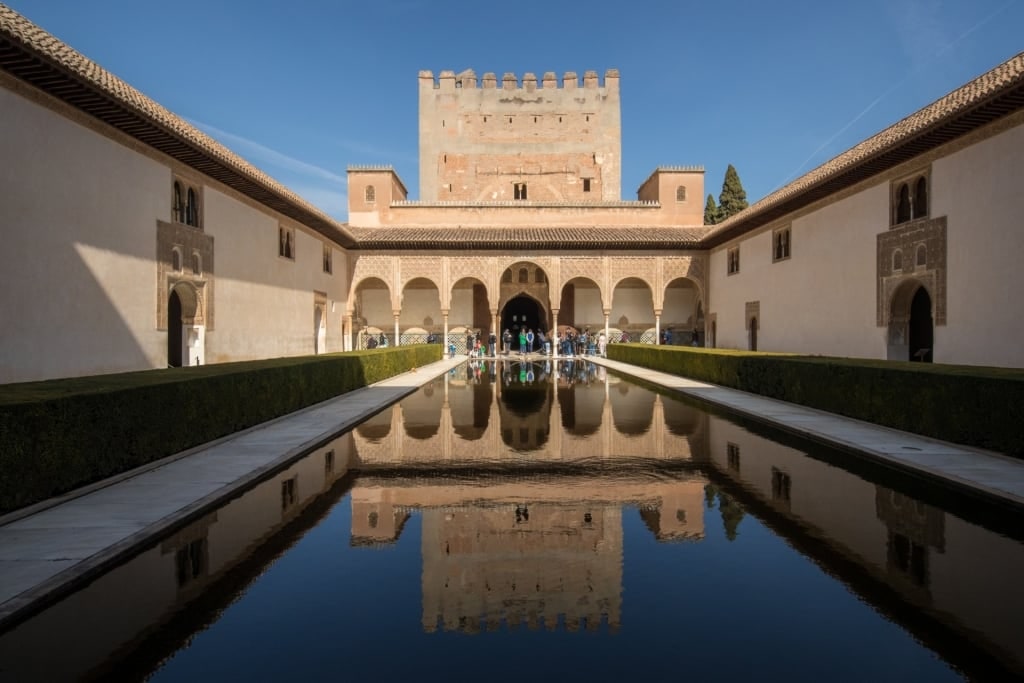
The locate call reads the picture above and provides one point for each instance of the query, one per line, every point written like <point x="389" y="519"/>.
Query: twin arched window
<point x="910" y="199"/>
<point x="185" y="204"/>
<point x="681" y="193"/>
<point x="370" y="194"/>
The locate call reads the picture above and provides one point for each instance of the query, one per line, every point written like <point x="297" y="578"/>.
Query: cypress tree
<point x="733" y="198"/>
<point x="710" y="211"/>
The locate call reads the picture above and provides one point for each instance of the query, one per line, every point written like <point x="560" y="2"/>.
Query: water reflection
<point x="555" y="497"/>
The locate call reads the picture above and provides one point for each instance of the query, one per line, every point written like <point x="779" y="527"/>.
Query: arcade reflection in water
<point x="522" y="475"/>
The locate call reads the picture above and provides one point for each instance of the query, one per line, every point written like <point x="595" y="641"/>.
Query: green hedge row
<point x="61" y="434"/>
<point x="969" y="405"/>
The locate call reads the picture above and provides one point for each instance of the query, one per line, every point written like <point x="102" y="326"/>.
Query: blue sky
<point x="303" y="89"/>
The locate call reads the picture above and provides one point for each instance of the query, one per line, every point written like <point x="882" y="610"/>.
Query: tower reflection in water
<point x="522" y="522"/>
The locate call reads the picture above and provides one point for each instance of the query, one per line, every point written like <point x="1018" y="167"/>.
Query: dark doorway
<point x="174" y="331"/>
<point x="753" y="334"/>
<point x="521" y="312"/>
<point x="921" y="327"/>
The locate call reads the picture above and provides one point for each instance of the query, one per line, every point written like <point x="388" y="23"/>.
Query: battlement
<point x="679" y="169"/>
<point x="467" y="80"/>
<point x="370" y="167"/>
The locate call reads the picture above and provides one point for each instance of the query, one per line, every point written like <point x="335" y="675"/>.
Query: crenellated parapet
<point x="498" y="136"/>
<point x="467" y="80"/>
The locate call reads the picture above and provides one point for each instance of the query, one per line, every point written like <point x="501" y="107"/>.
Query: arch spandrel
<point x="672" y="268"/>
<point x="376" y="266"/>
<point x="481" y="268"/>
<point x="592" y="268"/>
<point x="420" y="268"/>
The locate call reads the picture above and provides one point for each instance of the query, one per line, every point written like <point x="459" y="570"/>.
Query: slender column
<point x="346" y="341"/>
<point x="554" y="332"/>
<point x="444" y="340"/>
<point x="496" y="332"/>
<point x="657" y="328"/>
<point x="398" y="341"/>
<point x="607" y="333"/>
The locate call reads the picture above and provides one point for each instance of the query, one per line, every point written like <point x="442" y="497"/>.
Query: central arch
<point x="523" y="311"/>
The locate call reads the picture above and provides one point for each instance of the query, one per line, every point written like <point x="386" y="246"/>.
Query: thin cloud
<point x="929" y="36"/>
<point x="268" y="155"/>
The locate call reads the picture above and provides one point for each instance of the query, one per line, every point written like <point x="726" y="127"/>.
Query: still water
<point x="520" y="521"/>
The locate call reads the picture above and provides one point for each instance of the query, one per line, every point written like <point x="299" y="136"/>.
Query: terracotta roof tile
<point x="518" y="237"/>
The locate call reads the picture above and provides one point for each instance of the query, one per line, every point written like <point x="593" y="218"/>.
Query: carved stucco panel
<point x="908" y="239"/>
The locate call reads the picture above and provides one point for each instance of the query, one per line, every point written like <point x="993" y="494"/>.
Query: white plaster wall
<point x="679" y="306"/>
<point x="461" y="311"/>
<point x="587" y="307"/>
<point x="979" y="189"/>
<point x="822" y="299"/>
<point x="636" y="304"/>
<point x="79" y="224"/>
<point x="418" y="304"/>
<point x="264" y="303"/>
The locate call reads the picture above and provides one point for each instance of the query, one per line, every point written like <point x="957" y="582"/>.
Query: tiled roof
<point x="985" y="99"/>
<point x="518" y="237"/>
<point x="33" y="55"/>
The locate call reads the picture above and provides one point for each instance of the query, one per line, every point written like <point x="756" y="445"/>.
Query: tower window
<point x="681" y="193"/>
<point x="370" y="194"/>
<point x="520" y="190"/>
<point x="586" y="184"/>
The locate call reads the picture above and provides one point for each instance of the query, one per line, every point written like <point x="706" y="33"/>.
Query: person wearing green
<point x="522" y="342"/>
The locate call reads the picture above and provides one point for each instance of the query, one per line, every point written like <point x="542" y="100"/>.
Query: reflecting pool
<point x="516" y="521"/>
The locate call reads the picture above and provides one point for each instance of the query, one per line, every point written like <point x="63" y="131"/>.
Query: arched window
<point x="371" y="194"/>
<point x="681" y="193"/>
<point x="921" y="198"/>
<point x="178" y="210"/>
<point x="921" y="258"/>
<point x="197" y="263"/>
<point x="176" y="259"/>
<point x="507" y="277"/>
<point x="524" y="275"/>
<point x="897" y="260"/>
<point x="538" y="276"/>
<point x="903" y="204"/>
<point x="192" y="208"/>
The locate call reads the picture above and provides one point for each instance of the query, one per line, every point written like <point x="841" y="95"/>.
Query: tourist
<point x="529" y="340"/>
<point x="506" y="340"/>
<point x="492" y="344"/>
<point x="522" y="342"/>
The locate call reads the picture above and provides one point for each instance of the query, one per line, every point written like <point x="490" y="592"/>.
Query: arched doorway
<point x="921" y="327"/>
<point x="186" y="330"/>
<point x="911" y="328"/>
<point x="318" y="330"/>
<point x="523" y="312"/>
<point x="174" y="332"/>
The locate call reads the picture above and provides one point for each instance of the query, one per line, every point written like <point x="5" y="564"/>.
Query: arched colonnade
<point x="417" y="298"/>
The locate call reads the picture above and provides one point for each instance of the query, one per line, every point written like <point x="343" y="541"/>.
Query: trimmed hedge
<point x="974" y="406"/>
<point x="61" y="434"/>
